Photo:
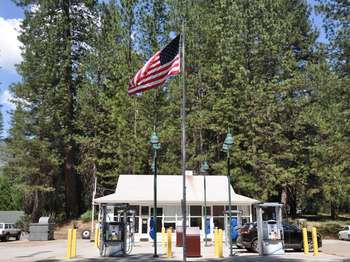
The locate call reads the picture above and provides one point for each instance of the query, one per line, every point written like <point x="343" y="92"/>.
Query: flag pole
<point x="183" y="141"/>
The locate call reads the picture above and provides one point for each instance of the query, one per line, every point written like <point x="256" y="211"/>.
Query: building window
<point x="144" y="210"/>
<point x="208" y="211"/>
<point x="169" y="211"/>
<point x="159" y="211"/>
<point x="245" y="210"/>
<point x="136" y="225"/>
<point x="196" y="222"/>
<point x="136" y="209"/>
<point x="219" y="222"/>
<point x="159" y="224"/>
<point x="170" y="225"/>
<point x="196" y="211"/>
<point x="144" y="226"/>
<point x="233" y="207"/>
<point x="218" y="210"/>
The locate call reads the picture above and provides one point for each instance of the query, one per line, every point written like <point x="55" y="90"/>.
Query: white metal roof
<point x="138" y="189"/>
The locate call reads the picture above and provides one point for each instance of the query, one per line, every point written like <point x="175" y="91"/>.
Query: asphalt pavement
<point x="55" y="250"/>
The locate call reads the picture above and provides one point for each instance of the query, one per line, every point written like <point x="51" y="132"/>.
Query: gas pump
<point x="236" y="224"/>
<point x="117" y="234"/>
<point x="270" y="229"/>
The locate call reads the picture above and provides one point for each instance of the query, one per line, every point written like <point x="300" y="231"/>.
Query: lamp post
<point x="155" y="146"/>
<point x="226" y="148"/>
<point x="204" y="170"/>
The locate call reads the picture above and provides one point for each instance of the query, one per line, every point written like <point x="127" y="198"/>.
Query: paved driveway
<point x="54" y="251"/>
<point x="337" y="247"/>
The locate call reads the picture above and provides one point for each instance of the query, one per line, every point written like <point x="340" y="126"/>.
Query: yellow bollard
<point x="96" y="236"/>
<point x="220" y="254"/>
<point x="169" y="251"/>
<point x="69" y="244"/>
<point x="305" y="241"/>
<point x="216" y="239"/>
<point x="74" y="243"/>
<point x="314" y="241"/>
<point x="163" y="239"/>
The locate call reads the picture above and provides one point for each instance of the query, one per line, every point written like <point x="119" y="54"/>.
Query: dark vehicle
<point x="293" y="238"/>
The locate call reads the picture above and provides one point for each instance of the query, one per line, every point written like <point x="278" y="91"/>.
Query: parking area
<point x="54" y="251"/>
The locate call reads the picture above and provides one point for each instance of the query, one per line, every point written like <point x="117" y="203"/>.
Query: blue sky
<point x="10" y="19"/>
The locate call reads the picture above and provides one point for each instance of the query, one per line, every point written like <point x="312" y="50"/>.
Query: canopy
<point x="138" y="189"/>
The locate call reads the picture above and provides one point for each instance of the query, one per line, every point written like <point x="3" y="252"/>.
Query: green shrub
<point x="329" y="230"/>
<point x="23" y="223"/>
<point x="86" y="216"/>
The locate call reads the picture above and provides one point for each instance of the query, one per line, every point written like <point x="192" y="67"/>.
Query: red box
<point x="193" y="242"/>
<point x="179" y="236"/>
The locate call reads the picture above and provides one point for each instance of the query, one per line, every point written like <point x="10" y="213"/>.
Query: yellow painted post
<point x="163" y="239"/>
<point x="169" y="251"/>
<point x="74" y="243"/>
<point x="216" y="239"/>
<point x="220" y="244"/>
<point x="96" y="236"/>
<point x="314" y="241"/>
<point x="69" y="244"/>
<point x="305" y="241"/>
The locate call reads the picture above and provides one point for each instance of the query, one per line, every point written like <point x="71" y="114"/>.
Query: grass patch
<point x="326" y="226"/>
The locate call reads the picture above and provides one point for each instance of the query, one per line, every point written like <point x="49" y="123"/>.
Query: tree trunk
<point x="333" y="211"/>
<point x="72" y="183"/>
<point x="35" y="209"/>
<point x="72" y="189"/>
<point x="292" y="202"/>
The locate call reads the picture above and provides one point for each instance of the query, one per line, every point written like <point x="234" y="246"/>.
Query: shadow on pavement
<point x="148" y="257"/>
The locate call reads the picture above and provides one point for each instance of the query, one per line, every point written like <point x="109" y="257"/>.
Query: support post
<point x="169" y="251"/>
<point x="71" y="251"/>
<point x="163" y="239"/>
<point x="183" y="143"/>
<point x="155" y="203"/>
<point x="260" y="230"/>
<point x="216" y="242"/>
<point x="205" y="211"/>
<point x="220" y="253"/>
<point x="305" y="241"/>
<point x="74" y="243"/>
<point x="69" y="244"/>
<point x="97" y="237"/>
<point x="229" y="199"/>
<point x="314" y="241"/>
<point x="93" y="204"/>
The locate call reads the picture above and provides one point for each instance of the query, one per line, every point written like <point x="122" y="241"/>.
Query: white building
<point x="137" y="191"/>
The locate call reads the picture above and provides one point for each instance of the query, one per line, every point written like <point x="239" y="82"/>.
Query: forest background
<point x="253" y="66"/>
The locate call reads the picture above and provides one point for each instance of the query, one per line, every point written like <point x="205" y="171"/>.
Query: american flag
<point x="163" y="64"/>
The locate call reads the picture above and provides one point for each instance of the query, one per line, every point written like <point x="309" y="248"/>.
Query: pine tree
<point x="1" y="123"/>
<point x="337" y="28"/>
<point x="246" y="57"/>
<point x="54" y="43"/>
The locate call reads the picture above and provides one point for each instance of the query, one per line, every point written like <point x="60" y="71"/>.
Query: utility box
<point x="41" y="231"/>
<point x="179" y="236"/>
<point x="193" y="242"/>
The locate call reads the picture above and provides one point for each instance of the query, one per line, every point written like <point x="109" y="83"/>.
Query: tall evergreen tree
<point x="54" y="38"/>
<point x="336" y="14"/>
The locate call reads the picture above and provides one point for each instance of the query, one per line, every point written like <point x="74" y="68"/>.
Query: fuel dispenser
<point x="270" y="229"/>
<point x="117" y="234"/>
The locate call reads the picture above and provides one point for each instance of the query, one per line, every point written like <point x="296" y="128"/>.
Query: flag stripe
<point x="158" y="73"/>
<point x="158" y="68"/>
